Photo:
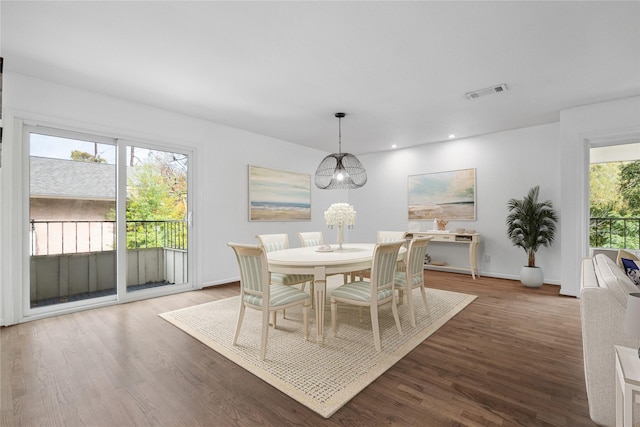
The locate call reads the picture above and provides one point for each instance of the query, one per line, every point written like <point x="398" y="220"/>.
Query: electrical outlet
<point x="487" y="258"/>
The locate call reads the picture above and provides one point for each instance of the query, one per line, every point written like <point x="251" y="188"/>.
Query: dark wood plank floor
<point x="512" y="358"/>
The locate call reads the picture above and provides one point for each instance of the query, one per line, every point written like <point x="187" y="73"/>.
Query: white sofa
<point x="604" y="291"/>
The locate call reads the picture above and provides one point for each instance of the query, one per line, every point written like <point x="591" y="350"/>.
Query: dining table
<point x="322" y="262"/>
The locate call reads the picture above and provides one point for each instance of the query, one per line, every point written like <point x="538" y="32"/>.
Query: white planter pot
<point x="531" y="277"/>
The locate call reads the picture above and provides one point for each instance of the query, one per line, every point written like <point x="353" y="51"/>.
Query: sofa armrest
<point x="602" y="327"/>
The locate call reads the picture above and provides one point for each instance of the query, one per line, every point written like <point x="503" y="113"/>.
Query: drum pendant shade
<point x="340" y="170"/>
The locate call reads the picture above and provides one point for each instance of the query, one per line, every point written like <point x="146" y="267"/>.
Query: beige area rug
<point x="321" y="377"/>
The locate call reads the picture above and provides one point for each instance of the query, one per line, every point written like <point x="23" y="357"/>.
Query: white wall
<point x="608" y="122"/>
<point x="222" y="156"/>
<point x="507" y="165"/>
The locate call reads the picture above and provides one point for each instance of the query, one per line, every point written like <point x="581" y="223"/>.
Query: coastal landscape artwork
<point x="276" y="195"/>
<point x="443" y="195"/>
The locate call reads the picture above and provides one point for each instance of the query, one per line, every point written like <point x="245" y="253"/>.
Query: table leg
<point x="320" y="284"/>
<point x="473" y="259"/>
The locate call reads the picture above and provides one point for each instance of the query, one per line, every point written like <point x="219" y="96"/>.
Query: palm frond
<point x="530" y="223"/>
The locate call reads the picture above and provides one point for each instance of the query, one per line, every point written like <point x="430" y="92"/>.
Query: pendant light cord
<point x="339" y="135"/>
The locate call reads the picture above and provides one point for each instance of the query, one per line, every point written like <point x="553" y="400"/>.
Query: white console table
<point x="473" y="240"/>
<point x="627" y="384"/>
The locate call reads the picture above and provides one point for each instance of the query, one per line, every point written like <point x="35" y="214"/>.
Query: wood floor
<point x="512" y="358"/>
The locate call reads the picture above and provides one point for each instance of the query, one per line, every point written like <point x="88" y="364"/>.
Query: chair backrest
<point x="273" y="242"/>
<point x="254" y="269"/>
<point x="385" y="259"/>
<point x="391" y="236"/>
<point x="415" y="257"/>
<point x="311" y="238"/>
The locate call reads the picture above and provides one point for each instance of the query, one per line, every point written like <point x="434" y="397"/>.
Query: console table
<point x="473" y="240"/>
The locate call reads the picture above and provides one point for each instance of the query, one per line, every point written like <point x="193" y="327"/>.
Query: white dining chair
<point x="412" y="276"/>
<point x="391" y="236"/>
<point x="372" y="294"/>
<point x="257" y="292"/>
<point x="311" y="238"/>
<point x="278" y="242"/>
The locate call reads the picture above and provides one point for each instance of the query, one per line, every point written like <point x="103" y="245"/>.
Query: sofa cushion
<point x="614" y="278"/>
<point x="628" y="254"/>
<point x="632" y="270"/>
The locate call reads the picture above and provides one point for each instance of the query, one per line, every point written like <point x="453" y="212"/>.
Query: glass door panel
<point x="156" y="219"/>
<point x="72" y="228"/>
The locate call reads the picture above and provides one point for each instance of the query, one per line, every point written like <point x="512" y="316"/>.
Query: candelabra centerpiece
<point x="340" y="214"/>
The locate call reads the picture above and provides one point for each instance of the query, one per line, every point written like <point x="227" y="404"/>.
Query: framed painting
<point x="276" y="195"/>
<point x="447" y="195"/>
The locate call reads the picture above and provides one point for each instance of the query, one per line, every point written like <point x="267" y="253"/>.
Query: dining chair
<point x="413" y="275"/>
<point x="385" y="237"/>
<point x="311" y="238"/>
<point x="378" y="291"/>
<point x="257" y="292"/>
<point x="391" y="236"/>
<point x="278" y="242"/>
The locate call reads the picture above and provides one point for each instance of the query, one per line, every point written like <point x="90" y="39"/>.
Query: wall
<point x="597" y="124"/>
<point x="507" y="165"/>
<point x="222" y="156"/>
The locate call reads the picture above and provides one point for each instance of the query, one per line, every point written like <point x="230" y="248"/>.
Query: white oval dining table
<point x="309" y="260"/>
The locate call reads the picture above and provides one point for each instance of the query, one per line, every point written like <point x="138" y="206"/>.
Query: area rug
<point x="321" y="377"/>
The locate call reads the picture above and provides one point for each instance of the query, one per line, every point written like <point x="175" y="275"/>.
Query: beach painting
<point x="447" y="195"/>
<point x="276" y="195"/>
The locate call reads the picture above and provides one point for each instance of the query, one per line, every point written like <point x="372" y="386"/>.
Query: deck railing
<point x="619" y="233"/>
<point x="68" y="237"/>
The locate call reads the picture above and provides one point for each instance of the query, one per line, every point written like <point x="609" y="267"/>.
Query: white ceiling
<point x="400" y="70"/>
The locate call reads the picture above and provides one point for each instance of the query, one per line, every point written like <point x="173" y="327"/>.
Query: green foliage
<point x="604" y="181"/>
<point x="83" y="156"/>
<point x="156" y="191"/>
<point x="630" y="186"/>
<point x="615" y="199"/>
<point x="531" y="224"/>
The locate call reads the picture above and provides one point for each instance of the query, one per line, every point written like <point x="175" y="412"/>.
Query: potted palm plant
<point x="531" y="224"/>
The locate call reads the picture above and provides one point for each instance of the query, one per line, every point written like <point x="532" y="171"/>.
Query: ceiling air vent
<point x="487" y="91"/>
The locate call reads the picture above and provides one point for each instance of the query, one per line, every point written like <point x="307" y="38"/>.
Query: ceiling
<point x="400" y="70"/>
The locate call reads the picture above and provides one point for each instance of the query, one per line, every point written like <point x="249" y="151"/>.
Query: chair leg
<point x="394" y="309"/>
<point x="424" y="297"/>
<point x="265" y="331"/>
<point x="239" y="323"/>
<point x="410" y="304"/>
<point x="334" y="309"/>
<point x="305" y="318"/>
<point x="375" y="326"/>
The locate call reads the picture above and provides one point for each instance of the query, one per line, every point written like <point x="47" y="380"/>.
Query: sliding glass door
<point x="72" y="227"/>
<point x="157" y="231"/>
<point x="108" y="220"/>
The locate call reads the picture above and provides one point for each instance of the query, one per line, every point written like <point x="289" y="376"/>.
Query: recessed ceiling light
<point x="451" y="136"/>
<point x="394" y="146"/>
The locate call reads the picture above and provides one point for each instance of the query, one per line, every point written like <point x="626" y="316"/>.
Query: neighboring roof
<point x="71" y="179"/>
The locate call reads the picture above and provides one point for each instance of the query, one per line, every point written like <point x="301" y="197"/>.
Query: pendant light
<point x="340" y="170"/>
